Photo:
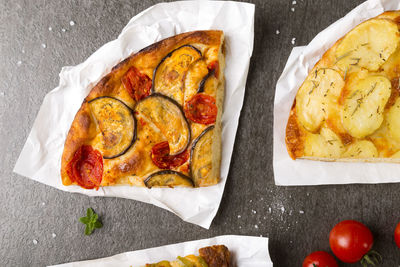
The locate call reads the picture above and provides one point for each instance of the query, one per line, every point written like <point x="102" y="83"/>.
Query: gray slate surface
<point x="29" y="210"/>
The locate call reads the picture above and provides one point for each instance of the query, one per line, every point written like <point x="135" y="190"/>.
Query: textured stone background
<point x="31" y="58"/>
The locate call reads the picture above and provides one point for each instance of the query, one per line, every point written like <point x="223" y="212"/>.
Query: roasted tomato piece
<point x="163" y="160"/>
<point x="86" y="167"/>
<point x="201" y="109"/>
<point x="213" y="67"/>
<point x="136" y="83"/>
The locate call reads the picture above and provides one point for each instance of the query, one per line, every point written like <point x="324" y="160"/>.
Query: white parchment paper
<point x="247" y="251"/>
<point x="40" y="158"/>
<point x="300" y="62"/>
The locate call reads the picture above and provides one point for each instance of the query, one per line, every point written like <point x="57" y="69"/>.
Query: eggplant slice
<point x="201" y="156"/>
<point x="168" y="178"/>
<point x="205" y="81"/>
<point x="168" y="76"/>
<point x="193" y="78"/>
<point x="116" y="123"/>
<point x="169" y="118"/>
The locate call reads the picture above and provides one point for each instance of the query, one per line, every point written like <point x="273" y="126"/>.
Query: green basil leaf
<point x="89" y="212"/>
<point x="88" y="230"/>
<point x="84" y="220"/>
<point x="98" y="224"/>
<point x="94" y="217"/>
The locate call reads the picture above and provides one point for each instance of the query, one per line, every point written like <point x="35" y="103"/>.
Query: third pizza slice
<point x="211" y="256"/>
<point x="348" y="107"/>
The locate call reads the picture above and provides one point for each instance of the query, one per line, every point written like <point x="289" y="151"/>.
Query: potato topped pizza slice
<point x="154" y="120"/>
<point x="212" y="256"/>
<point x="348" y="108"/>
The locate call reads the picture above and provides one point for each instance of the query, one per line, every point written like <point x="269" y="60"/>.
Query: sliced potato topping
<point x="368" y="45"/>
<point x="364" y="105"/>
<point x="317" y="97"/>
<point x="393" y="120"/>
<point x="361" y="149"/>
<point x="396" y="155"/>
<point x="324" y="145"/>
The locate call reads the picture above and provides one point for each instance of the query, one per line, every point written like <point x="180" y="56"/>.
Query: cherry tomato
<point x="320" y="259"/>
<point x="350" y="241"/>
<point x="136" y="83"/>
<point x="201" y="108"/>
<point x="163" y="160"/>
<point x="397" y="235"/>
<point x="86" y="167"/>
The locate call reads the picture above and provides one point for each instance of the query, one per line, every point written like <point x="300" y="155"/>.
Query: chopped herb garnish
<point x="359" y="101"/>
<point x="372" y="89"/>
<point x="326" y="93"/>
<point x="343" y="56"/>
<point x="353" y="94"/>
<point x="357" y="59"/>
<point x="91" y="221"/>
<point x="315" y="85"/>
<point x="345" y="73"/>
<point x="331" y="141"/>
<point x="364" y="44"/>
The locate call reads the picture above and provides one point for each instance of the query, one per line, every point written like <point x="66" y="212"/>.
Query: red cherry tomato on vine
<point x="397" y="235"/>
<point x="320" y="259"/>
<point x="350" y="241"/>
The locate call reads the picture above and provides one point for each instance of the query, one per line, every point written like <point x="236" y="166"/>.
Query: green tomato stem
<point x="371" y="258"/>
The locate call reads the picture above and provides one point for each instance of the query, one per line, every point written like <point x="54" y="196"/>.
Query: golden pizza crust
<point x="135" y="165"/>
<point x="353" y="122"/>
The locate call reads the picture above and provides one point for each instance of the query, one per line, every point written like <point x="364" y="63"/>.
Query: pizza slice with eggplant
<point x="212" y="256"/>
<point x="154" y="120"/>
<point x="348" y="108"/>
